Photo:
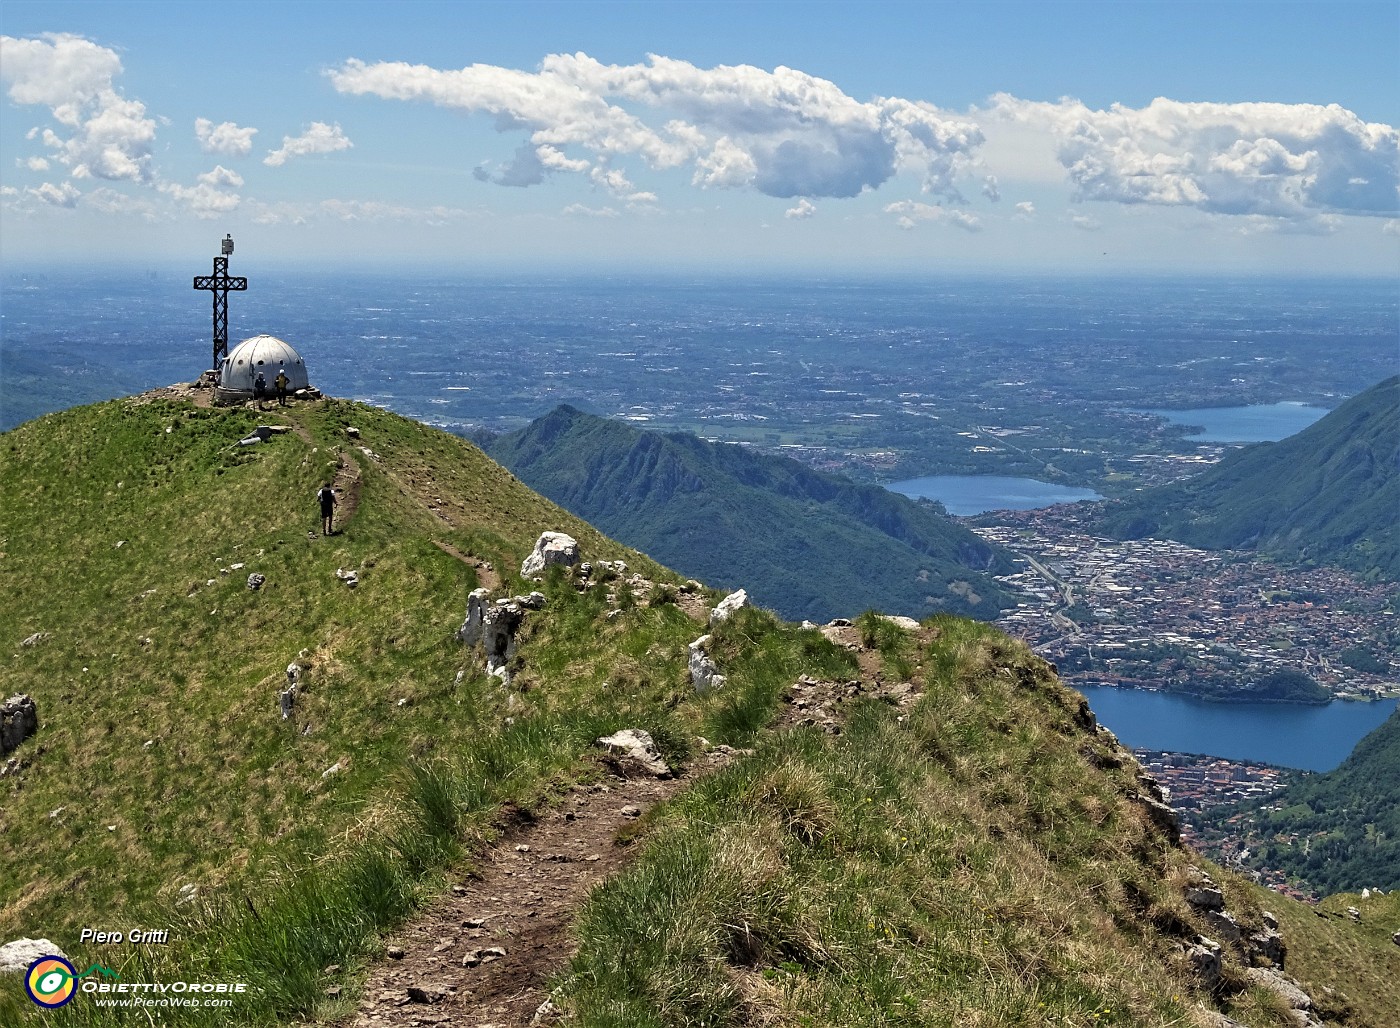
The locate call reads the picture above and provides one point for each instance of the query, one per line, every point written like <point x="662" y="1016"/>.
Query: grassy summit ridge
<point x="1328" y="495"/>
<point x="972" y="858"/>
<point x="807" y="544"/>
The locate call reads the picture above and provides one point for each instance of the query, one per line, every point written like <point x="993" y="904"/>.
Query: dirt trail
<point x="483" y="955"/>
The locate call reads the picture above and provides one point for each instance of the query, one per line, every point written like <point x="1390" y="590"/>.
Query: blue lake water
<point x="1286" y="734"/>
<point x="965" y="495"/>
<point x="1260" y="423"/>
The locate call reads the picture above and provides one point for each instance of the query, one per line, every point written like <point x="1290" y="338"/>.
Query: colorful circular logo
<point x="51" y="982"/>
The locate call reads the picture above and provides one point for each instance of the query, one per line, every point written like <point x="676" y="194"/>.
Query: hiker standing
<point x="260" y="389"/>
<point x="326" y="495"/>
<point x="281" y="382"/>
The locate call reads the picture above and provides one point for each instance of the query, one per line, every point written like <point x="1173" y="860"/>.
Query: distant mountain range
<point x="1328" y="495"/>
<point x="804" y="543"/>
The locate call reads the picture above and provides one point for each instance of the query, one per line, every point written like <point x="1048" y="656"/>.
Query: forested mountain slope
<point x="807" y="544"/>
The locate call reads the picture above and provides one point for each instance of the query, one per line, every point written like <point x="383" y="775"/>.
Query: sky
<point x="1059" y="137"/>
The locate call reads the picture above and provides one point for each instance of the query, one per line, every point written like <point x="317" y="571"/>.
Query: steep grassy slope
<point x="162" y="761"/>
<point x="806" y="544"/>
<point x="984" y="837"/>
<point x="1326" y="495"/>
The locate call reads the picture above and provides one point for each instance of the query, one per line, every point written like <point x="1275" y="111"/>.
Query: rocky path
<point x="483" y="956"/>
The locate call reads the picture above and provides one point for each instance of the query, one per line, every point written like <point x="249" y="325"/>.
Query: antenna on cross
<point x="221" y="284"/>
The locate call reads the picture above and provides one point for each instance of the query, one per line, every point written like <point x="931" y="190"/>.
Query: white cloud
<point x="911" y="212"/>
<point x="353" y="211"/>
<point x="203" y="200"/>
<point x="1085" y="222"/>
<point x="225" y="138"/>
<point x="804" y="209"/>
<point x="64" y="194"/>
<point x="582" y="210"/>
<point x="100" y="133"/>
<point x="1276" y="160"/>
<point x="34" y="164"/>
<point x="1026" y="209"/>
<point x="1392" y="227"/>
<point x="781" y="132"/>
<point x="990" y="189"/>
<point x="221" y="177"/>
<point x="317" y="139"/>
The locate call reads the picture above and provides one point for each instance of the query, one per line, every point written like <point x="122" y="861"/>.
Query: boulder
<point x="637" y="745"/>
<point x="1204" y="958"/>
<point x="15" y="957"/>
<point x="498" y="626"/>
<point x="19" y="719"/>
<point x="550" y="548"/>
<point x="736" y="600"/>
<point x="470" y="632"/>
<point x="900" y="621"/>
<point x="255" y="581"/>
<point x="704" y="675"/>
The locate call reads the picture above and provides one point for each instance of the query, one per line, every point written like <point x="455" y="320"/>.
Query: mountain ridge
<point x="1328" y="494"/>
<point x="808" y="544"/>
<point x="968" y="819"/>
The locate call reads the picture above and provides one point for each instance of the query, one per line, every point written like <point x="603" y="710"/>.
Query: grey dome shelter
<point x="264" y="353"/>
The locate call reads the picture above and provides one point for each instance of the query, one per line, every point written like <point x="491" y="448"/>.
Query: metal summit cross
<point x="221" y="284"/>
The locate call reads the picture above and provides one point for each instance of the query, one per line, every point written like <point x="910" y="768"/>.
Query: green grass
<point x="958" y="865"/>
<point x="973" y="860"/>
<point x="162" y="752"/>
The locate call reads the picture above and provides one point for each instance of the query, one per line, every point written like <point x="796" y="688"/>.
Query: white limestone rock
<point x="550" y="548"/>
<point x="15" y="957"/>
<point x="704" y="675"/>
<point x="470" y="632"/>
<point x="736" y="600"/>
<point x="638" y="746"/>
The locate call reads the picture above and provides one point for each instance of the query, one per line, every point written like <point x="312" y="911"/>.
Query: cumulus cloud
<point x="783" y="133"/>
<point x="63" y="194"/>
<point x="317" y="139"/>
<point x="100" y="133"/>
<point x="911" y="212"/>
<point x="1026" y="209"/>
<point x="1268" y="159"/>
<point x="1085" y="222"/>
<point x="990" y="189"/>
<point x="804" y="209"/>
<point x="34" y="164"/>
<point x="225" y="138"/>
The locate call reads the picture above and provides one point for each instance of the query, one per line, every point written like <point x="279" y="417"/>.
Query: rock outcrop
<point x="704" y="675"/>
<point x="19" y="719"/>
<point x="638" y="747"/>
<point x="470" y="632"/>
<point x="550" y="548"/>
<point x="15" y="957"/>
<point x="736" y="600"/>
<point x="498" y="626"/>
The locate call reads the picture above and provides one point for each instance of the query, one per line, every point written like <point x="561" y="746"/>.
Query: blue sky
<point x="1080" y="137"/>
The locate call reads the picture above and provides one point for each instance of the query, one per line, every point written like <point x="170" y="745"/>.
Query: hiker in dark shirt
<point x="260" y="389"/>
<point x="327" y="497"/>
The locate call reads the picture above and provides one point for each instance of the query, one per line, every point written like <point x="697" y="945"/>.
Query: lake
<point x="965" y="495"/>
<point x="1259" y="423"/>
<point x="1286" y="734"/>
